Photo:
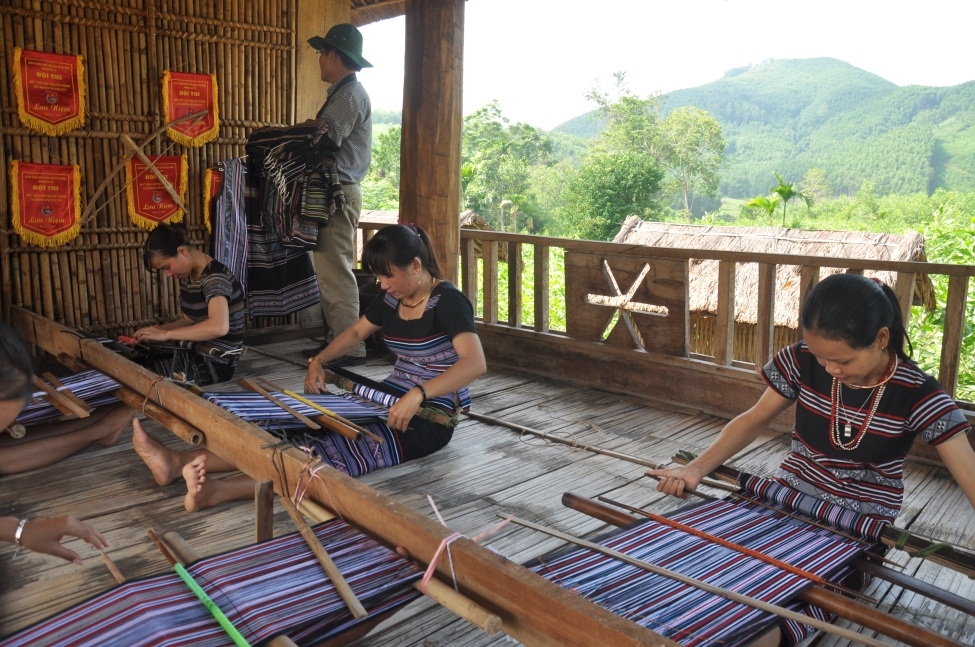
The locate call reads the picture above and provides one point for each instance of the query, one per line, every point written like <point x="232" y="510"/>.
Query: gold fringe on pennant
<point x="182" y="138"/>
<point x="149" y="223"/>
<point x="35" y="123"/>
<point x="207" y="186"/>
<point x="32" y="237"/>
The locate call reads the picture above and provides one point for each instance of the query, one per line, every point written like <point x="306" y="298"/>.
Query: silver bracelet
<point x="19" y="531"/>
<point x="17" y="535"/>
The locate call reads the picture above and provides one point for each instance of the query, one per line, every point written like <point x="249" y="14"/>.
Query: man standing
<point x="348" y="114"/>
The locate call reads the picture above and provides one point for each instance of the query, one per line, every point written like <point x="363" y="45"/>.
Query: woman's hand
<point x="676" y="481"/>
<point x="44" y="536"/>
<point x="315" y="377"/>
<point x="152" y="333"/>
<point x="404" y="409"/>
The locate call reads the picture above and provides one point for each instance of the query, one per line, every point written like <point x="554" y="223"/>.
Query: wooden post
<point x="430" y="149"/>
<point x="263" y="511"/>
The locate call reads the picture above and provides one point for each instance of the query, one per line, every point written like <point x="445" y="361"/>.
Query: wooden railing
<point x="480" y="272"/>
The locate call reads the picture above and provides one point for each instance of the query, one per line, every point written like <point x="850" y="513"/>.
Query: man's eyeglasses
<point x="318" y="53"/>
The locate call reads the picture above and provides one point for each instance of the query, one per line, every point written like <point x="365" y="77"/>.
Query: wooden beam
<point x="432" y="102"/>
<point x="532" y="609"/>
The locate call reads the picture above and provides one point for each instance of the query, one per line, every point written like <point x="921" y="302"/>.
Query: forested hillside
<point x="790" y="116"/>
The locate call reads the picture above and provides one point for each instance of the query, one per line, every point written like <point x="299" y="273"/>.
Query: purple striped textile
<point x="687" y="615"/>
<point x="255" y="408"/>
<point x="266" y="590"/>
<point x="867" y="527"/>
<point x="361" y="456"/>
<point x="91" y="386"/>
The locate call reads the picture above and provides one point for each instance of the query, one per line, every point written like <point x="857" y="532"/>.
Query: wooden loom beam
<point x="532" y="609"/>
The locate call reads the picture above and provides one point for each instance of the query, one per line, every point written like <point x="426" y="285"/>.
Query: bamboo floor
<point x="487" y="471"/>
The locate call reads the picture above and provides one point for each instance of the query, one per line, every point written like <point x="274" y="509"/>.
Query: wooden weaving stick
<point x="60" y="401"/>
<point x="452" y="600"/>
<point x="250" y="385"/>
<point x="834" y="603"/>
<point x="700" y="584"/>
<point x="334" y="574"/>
<point x="331" y="420"/>
<point x="52" y="379"/>
<point x="112" y="568"/>
<point x="330" y="415"/>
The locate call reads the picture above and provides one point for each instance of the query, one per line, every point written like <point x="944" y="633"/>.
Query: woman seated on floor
<point x="862" y="403"/>
<point x="210" y="332"/>
<point x="46" y="444"/>
<point x="426" y="321"/>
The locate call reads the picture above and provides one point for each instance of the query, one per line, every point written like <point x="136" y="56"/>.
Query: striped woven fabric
<point x="255" y="408"/>
<point x="828" y="513"/>
<point x="266" y="590"/>
<point x="91" y="386"/>
<point x="352" y="457"/>
<point x="687" y="615"/>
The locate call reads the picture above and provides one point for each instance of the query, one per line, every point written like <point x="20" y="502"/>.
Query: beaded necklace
<point x="848" y="441"/>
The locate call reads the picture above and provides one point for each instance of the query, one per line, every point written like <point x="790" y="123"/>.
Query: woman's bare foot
<point x="164" y="463"/>
<point x="114" y="423"/>
<point x="203" y="492"/>
<point x="198" y="489"/>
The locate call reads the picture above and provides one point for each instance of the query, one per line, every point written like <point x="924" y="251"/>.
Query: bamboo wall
<point x="96" y="282"/>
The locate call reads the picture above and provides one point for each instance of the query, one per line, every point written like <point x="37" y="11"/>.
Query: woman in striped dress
<point x="861" y="404"/>
<point x="427" y="322"/>
<point x="209" y="333"/>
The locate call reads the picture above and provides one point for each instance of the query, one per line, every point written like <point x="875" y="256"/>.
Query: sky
<point x="538" y="58"/>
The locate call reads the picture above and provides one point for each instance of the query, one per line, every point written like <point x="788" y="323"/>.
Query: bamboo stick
<point x="61" y="401"/>
<point x="334" y="574"/>
<point x="444" y="595"/>
<point x="331" y="420"/>
<point x="250" y="385"/>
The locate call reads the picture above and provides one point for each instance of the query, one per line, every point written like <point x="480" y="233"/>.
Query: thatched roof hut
<point x="774" y="240"/>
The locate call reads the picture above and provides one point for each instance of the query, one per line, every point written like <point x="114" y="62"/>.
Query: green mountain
<point x="793" y="115"/>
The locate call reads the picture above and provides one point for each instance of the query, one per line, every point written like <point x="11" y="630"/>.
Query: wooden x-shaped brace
<point x="134" y="149"/>
<point x="623" y="303"/>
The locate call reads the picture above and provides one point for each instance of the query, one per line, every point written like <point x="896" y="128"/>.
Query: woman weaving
<point x="426" y="322"/>
<point x="861" y="404"/>
<point x="210" y="331"/>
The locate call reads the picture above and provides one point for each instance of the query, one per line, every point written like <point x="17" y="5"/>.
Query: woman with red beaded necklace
<point x="862" y="403"/>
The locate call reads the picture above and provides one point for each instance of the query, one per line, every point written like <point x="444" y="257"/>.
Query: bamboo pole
<point x="334" y="574"/>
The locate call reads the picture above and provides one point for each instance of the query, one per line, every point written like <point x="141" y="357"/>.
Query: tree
<point x="610" y="187"/>
<point x="497" y="161"/>
<point x="766" y="204"/>
<point x="788" y="191"/>
<point x="621" y="175"/>
<point x="816" y="186"/>
<point x="692" y="153"/>
<point x="380" y="188"/>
